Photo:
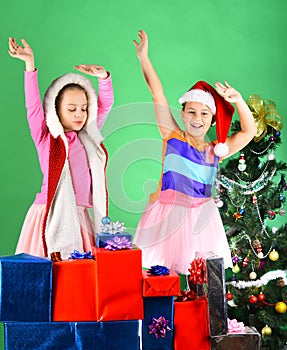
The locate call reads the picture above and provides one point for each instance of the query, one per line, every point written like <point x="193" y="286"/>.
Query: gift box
<point x="165" y="285"/>
<point x="250" y="340"/>
<point x="39" y="336"/>
<point x="216" y="296"/>
<point x="157" y="325"/>
<point x="191" y="328"/>
<point x="25" y="288"/>
<point x="103" y="237"/>
<point x="74" y="290"/>
<point x="112" y="232"/>
<point x="121" y="335"/>
<point x="118" y="284"/>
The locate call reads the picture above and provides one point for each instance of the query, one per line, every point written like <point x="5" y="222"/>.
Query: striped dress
<point x="181" y="218"/>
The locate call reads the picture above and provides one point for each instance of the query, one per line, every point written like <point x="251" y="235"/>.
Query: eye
<point x="71" y="109"/>
<point x="84" y="109"/>
<point x="191" y="112"/>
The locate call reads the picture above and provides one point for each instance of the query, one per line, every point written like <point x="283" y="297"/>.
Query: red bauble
<point x="229" y="296"/>
<point x="253" y="299"/>
<point x="261" y="297"/>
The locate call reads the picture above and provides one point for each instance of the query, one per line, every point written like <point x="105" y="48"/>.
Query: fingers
<point x="24" y="42"/>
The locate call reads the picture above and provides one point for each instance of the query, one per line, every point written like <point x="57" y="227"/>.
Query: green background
<point x="242" y="41"/>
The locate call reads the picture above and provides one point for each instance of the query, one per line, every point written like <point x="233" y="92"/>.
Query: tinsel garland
<point x="262" y="281"/>
<point x="247" y="188"/>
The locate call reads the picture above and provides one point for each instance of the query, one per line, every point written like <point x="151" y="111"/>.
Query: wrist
<point x="30" y="66"/>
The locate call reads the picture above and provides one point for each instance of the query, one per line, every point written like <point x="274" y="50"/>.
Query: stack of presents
<point x="104" y="300"/>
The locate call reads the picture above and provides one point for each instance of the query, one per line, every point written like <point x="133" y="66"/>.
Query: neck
<point x="197" y="142"/>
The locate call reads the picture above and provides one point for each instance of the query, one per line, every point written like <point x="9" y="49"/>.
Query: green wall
<point x="241" y="41"/>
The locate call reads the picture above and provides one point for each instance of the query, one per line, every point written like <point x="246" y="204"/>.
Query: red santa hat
<point x="222" y="110"/>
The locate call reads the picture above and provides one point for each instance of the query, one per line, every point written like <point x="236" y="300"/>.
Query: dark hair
<point x="71" y="86"/>
<point x="213" y="121"/>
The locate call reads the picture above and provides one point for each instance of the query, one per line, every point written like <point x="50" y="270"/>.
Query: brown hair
<point x="71" y="86"/>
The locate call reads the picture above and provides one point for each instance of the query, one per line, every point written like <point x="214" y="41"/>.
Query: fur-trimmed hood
<point x="53" y="123"/>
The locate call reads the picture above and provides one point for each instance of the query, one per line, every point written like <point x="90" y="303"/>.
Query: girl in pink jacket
<point x="71" y="155"/>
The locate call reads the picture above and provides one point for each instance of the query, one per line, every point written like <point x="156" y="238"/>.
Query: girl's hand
<point x="24" y="53"/>
<point x="228" y="92"/>
<point x="92" y="69"/>
<point x="142" y="46"/>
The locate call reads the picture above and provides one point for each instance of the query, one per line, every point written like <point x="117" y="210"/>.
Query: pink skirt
<point x="30" y="240"/>
<point x="172" y="235"/>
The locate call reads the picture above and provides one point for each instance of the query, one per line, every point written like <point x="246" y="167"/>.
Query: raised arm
<point x="165" y="120"/>
<point x="105" y="93"/>
<point x="240" y="139"/>
<point x="35" y="113"/>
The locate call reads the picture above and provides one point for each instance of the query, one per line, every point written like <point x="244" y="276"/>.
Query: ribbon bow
<point x="118" y="243"/>
<point x="78" y="255"/>
<point x="186" y="295"/>
<point x="158" y="270"/>
<point x="112" y="227"/>
<point x="198" y="271"/>
<point x="234" y="326"/>
<point x="159" y="327"/>
<point x="265" y="114"/>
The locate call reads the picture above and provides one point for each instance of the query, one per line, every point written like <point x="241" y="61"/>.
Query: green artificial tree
<point x="250" y="193"/>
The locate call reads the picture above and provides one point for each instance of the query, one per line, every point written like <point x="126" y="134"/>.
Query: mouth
<point x="196" y="126"/>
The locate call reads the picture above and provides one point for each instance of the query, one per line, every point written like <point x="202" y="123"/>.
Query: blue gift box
<point x="155" y="307"/>
<point x="39" y="336"/>
<point x="103" y="237"/>
<point x="25" y="288"/>
<point x="120" y="335"/>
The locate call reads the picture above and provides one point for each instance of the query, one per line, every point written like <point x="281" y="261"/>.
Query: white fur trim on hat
<point x="52" y="119"/>
<point x="198" y="95"/>
<point x="221" y="149"/>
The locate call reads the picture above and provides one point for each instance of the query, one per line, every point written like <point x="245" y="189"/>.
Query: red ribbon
<point x="198" y="271"/>
<point x="186" y="295"/>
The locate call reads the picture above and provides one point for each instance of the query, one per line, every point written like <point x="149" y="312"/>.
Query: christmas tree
<point x="250" y="194"/>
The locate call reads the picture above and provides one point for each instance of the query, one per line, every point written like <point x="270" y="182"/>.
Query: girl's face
<point x="73" y="110"/>
<point x="197" y="119"/>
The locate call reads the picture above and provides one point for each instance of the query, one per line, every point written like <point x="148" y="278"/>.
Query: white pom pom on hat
<point x="222" y="110"/>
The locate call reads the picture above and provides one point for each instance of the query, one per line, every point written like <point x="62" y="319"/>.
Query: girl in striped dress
<point x="181" y="217"/>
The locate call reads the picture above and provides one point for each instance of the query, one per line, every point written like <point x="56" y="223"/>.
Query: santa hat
<point x="222" y="110"/>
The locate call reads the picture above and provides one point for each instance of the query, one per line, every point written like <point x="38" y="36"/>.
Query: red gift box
<point x="74" y="290"/>
<point x="161" y="286"/>
<point x="119" y="284"/>
<point x="191" y="325"/>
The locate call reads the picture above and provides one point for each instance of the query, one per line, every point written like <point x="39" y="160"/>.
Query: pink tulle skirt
<point x="171" y="235"/>
<point x="30" y="240"/>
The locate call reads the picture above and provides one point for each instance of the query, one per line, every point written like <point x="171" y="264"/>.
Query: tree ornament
<point x="278" y="133"/>
<point x="254" y="198"/>
<point x="253" y="299"/>
<point x="274" y="230"/>
<point x="280" y="282"/>
<point x="261" y="297"/>
<point x="245" y="261"/>
<point x="235" y="259"/>
<point x="236" y="268"/>
<point x="252" y="275"/>
<point x="241" y="211"/>
<point x="273" y="255"/>
<point x="271" y="156"/>
<point x="282" y="198"/>
<point x="237" y="215"/>
<point x="266" y="331"/>
<point x="219" y="203"/>
<point x="241" y="165"/>
<point x="271" y="138"/>
<point x="229" y="296"/>
<point x="271" y="214"/>
<point x="281" y="307"/>
<point x="282" y="212"/>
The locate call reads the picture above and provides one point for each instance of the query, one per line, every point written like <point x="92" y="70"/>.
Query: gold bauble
<point x="266" y="331"/>
<point x="252" y="275"/>
<point x="274" y="255"/>
<point x="281" y="307"/>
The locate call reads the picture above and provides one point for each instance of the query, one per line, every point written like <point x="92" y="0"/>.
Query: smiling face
<point x="197" y="119"/>
<point x="72" y="109"/>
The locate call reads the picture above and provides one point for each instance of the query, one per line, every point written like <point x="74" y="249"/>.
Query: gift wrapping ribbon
<point x="234" y="326"/>
<point x="159" y="327"/>
<point x="78" y="255"/>
<point x="118" y="243"/>
<point x="158" y="270"/>
<point x="197" y="271"/>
